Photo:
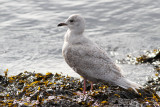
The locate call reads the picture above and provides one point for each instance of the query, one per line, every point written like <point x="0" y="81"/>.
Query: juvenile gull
<point x="87" y="59"/>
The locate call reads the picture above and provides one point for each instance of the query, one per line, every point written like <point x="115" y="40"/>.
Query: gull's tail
<point x="127" y="84"/>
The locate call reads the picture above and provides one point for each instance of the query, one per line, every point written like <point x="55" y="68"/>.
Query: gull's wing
<point x="92" y="63"/>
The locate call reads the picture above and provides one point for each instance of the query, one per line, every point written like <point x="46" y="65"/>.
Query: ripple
<point x="30" y="39"/>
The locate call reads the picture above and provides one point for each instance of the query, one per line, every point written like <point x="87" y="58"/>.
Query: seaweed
<point x="39" y="90"/>
<point x="30" y="89"/>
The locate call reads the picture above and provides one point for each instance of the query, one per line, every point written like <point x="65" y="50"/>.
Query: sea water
<point x="31" y="41"/>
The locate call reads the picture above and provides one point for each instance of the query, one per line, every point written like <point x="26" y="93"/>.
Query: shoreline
<point x="43" y="90"/>
<point x="36" y="89"/>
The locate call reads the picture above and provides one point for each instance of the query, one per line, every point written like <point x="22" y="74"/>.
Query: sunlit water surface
<point x="30" y="39"/>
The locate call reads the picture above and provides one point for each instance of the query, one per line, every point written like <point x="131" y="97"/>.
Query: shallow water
<point x="30" y="39"/>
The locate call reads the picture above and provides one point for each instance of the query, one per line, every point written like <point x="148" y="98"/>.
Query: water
<point x="30" y="39"/>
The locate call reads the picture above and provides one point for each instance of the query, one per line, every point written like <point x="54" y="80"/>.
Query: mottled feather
<point x="87" y="59"/>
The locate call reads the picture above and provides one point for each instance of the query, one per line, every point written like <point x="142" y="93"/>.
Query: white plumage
<point x="87" y="59"/>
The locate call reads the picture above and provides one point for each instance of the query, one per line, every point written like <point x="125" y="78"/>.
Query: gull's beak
<point x="62" y="24"/>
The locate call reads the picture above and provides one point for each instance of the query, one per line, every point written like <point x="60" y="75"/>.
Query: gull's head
<point x="75" y="23"/>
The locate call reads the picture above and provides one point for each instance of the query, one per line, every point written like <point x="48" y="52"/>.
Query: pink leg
<point x="84" y="88"/>
<point x="91" y="86"/>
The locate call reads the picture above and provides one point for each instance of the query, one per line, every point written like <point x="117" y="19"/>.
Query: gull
<point x="88" y="59"/>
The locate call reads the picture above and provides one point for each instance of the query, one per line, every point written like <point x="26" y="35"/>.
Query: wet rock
<point x="152" y="58"/>
<point x="35" y="95"/>
<point x="35" y="89"/>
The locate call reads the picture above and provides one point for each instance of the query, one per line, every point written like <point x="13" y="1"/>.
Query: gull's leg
<point x="84" y="88"/>
<point x="91" y="86"/>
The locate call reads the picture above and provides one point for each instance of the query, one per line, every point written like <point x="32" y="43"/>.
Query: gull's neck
<point x="73" y="36"/>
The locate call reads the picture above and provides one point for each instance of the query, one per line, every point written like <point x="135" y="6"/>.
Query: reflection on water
<point x="30" y="39"/>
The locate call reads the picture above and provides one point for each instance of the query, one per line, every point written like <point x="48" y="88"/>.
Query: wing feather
<point x="92" y="63"/>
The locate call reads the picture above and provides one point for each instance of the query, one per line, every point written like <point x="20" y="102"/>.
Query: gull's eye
<point x="71" y="20"/>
